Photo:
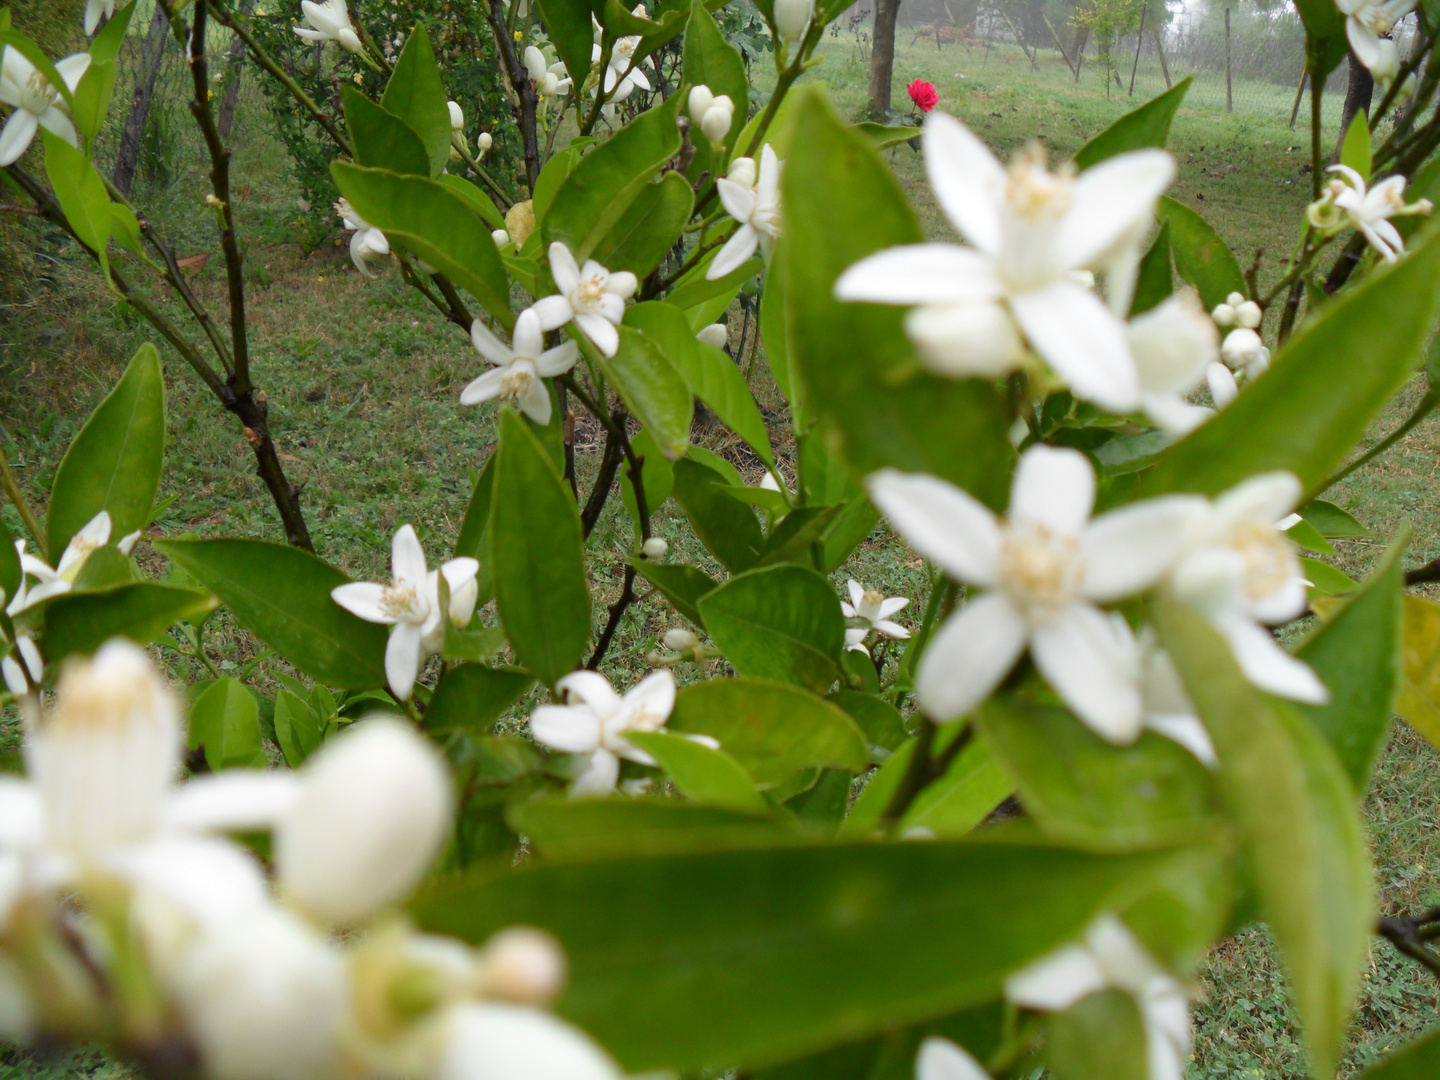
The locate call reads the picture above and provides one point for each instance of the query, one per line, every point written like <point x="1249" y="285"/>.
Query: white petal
<point x="1172" y="344"/>
<point x="591" y="688"/>
<point x="493" y="1041"/>
<point x="1223" y="389"/>
<point x="967" y="180"/>
<point x="553" y="311"/>
<point x="1267" y="665"/>
<point x="1095" y="669"/>
<point x="920" y="274"/>
<point x="487" y="386"/>
<point x="362" y="599"/>
<point x="1365" y="42"/>
<point x="1054" y="487"/>
<point x="402" y="658"/>
<point x="22" y="818"/>
<point x="572" y="729"/>
<point x="599" y="778"/>
<point x="407" y="557"/>
<point x="734" y="254"/>
<point x="654" y="696"/>
<point x="1188" y="731"/>
<point x="636" y="76"/>
<point x="890" y="605"/>
<point x="534" y="402"/>
<point x="233" y="800"/>
<point x="212" y="880"/>
<point x="488" y="345"/>
<point x="1259" y="500"/>
<point x="1056" y="981"/>
<point x="941" y="522"/>
<point x="1107" y="201"/>
<point x="601" y="331"/>
<point x="855" y="639"/>
<point x="1174" y="415"/>
<point x="16" y="135"/>
<point x="767" y="188"/>
<point x="857" y="595"/>
<point x="739" y="201"/>
<point x="611" y="307"/>
<point x="623" y="284"/>
<point x="564" y="270"/>
<point x="969" y="656"/>
<point x="892" y="630"/>
<point x="1129" y="549"/>
<point x="558" y="360"/>
<point x="966" y="340"/>
<point x="1077" y="335"/>
<point x="56" y="122"/>
<point x="75" y="65"/>
<point x="941" y="1059"/>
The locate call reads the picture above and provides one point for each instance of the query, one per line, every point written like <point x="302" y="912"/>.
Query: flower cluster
<point x="713" y="115"/>
<point x="1347" y="202"/>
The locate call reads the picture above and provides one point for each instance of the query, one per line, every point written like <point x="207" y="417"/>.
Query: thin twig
<point x="1422" y="410"/>
<point x="1404" y="935"/>
<point x="17" y="499"/>
<point x="524" y="89"/>
<point x="604" y="480"/>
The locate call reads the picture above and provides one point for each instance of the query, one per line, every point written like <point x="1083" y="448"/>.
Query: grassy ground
<point x="363" y="380"/>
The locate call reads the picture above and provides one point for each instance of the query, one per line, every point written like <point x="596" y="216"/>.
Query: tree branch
<point x="524" y="89"/>
<point x="604" y="480"/>
<point x="1405" y="935"/>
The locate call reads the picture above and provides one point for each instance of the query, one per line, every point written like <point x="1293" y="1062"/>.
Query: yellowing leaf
<point x="1419" y="704"/>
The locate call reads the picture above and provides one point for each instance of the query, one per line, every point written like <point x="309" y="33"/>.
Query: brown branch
<point x="1405" y="935"/>
<point x="524" y="89"/>
<point x="604" y="480"/>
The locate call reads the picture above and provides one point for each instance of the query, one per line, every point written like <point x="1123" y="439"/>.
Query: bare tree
<point x="882" y="55"/>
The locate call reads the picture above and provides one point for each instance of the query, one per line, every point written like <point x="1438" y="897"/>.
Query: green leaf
<point x="434" y="223"/>
<point x="727" y="528"/>
<point x="782" y="622"/>
<point x="416" y="95"/>
<point x="703" y="775"/>
<point x="1367" y="341"/>
<point x="282" y="595"/>
<point x="1085" y="791"/>
<point x="649" y="227"/>
<point x="1147" y="126"/>
<point x="884" y="136"/>
<point x="1299" y="827"/>
<point x="499" y="760"/>
<point x="568" y="24"/>
<point x="80" y="622"/>
<point x="1201" y="257"/>
<point x="596" y="195"/>
<point x="860" y="372"/>
<point x="971" y="788"/>
<point x="1355" y="151"/>
<point x="587" y="829"/>
<point x="476" y="646"/>
<point x="683" y="585"/>
<point x="125" y="228"/>
<point x="820" y="944"/>
<point x="225" y="720"/>
<point x="114" y="463"/>
<point x="771" y="729"/>
<point x="878" y="719"/>
<point x="474" y="198"/>
<point x="92" y="98"/>
<point x="538" y="552"/>
<point x="1155" y="281"/>
<point x="711" y="375"/>
<point x="695" y="289"/>
<point x="381" y="138"/>
<point x="657" y="476"/>
<point x="474" y="697"/>
<point x="551" y="177"/>
<point x="1419" y="701"/>
<point x="298" y="728"/>
<point x="797" y="533"/>
<point x="710" y="60"/>
<point x="653" y="391"/>
<point x="9" y="563"/>
<point x="106" y="44"/>
<point x="81" y="194"/>
<point x="1358" y="653"/>
<point x="1325" y="44"/>
<point x="471" y="541"/>
<point x="775" y="336"/>
<point x="1325" y="580"/>
<point x="1100" y="1037"/>
<point x="1330" y="520"/>
<point x="1417" y="1060"/>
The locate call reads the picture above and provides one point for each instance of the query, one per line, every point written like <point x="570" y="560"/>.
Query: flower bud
<point x="792" y="16"/>
<point x="1387" y="66"/>
<point x="1235" y="299"/>
<point x="716" y="334"/>
<point x="549" y="84"/>
<point x="1241" y="347"/>
<point x="742" y="172"/>
<point x="1249" y="315"/>
<point x="501" y="238"/>
<point x="655" y="548"/>
<point x="723" y="102"/>
<point x="373" y="810"/>
<point x="534" y="63"/>
<point x="1222" y="384"/>
<point x="700" y="101"/>
<point x="524" y="965"/>
<point x="484" y="141"/>
<point x="716" y="124"/>
<point x="1224" y="315"/>
<point x="349" y="41"/>
<point x="680" y="639"/>
<point x="518" y="1042"/>
<point x="457" y="116"/>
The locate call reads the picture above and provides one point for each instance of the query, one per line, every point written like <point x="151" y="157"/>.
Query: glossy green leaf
<point x="81" y="194"/>
<point x="1155" y="280"/>
<point x="1367" y="341"/>
<point x="952" y="805"/>
<point x="771" y="729"/>
<point x="1355" y="150"/>
<point x="92" y="98"/>
<point x="417" y="96"/>
<point x="695" y="289"/>
<point x="1100" y="1037"/>
<point x="593" y="828"/>
<point x="474" y="697"/>
<point x="537" y="548"/>
<point x="884" y="136"/>
<point x="703" y="775"/>
<point x="471" y="540"/>
<point x="1085" y="791"/>
<point x="476" y="646"/>
<point x="652" y="389"/>
<point x="600" y="189"/>
<point x="434" y="223"/>
<point x="878" y="719"/>
<point x="114" y="463"/>
<point x="105" y="46"/>
<point x="821" y="944"/>
<point x="551" y="177"/>
<point x="1147" y="126"/>
<point x="649" y="228"/>
<point x="1201" y="257"/>
<point x="1331" y="521"/>
<point x="125" y="228"/>
<point x="282" y="595"/>
<point x="498" y="760"/>
<point x="80" y="622"/>
<point x="225" y="720"/>
<point x="728" y="529"/>
<point x="298" y="728"/>
<point x="1325" y="580"/>
<point x="798" y="534"/>
<point x="860" y="373"/>
<point x="1417" y="1060"/>
<point x="683" y="585"/>
<point x="1299" y="825"/>
<point x="710" y="60"/>
<point x="474" y="198"/>
<point x="782" y="622"/>
<point x="568" y="24"/>
<point x="381" y="138"/>
<point x="711" y="375"/>
<point x="1357" y="654"/>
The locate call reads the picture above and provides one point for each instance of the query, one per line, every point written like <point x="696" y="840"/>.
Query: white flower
<point x="941" y="1059"/>
<point x="595" y="719"/>
<point x="655" y="548"/>
<point x="792" y="16"/>
<point x="1223" y="387"/>
<point x="1046" y="567"/>
<point x="1168" y="709"/>
<point x="1367" y="210"/>
<point x="37" y="104"/>
<point x="457" y="116"/>
<point x="372" y="810"/>
<point x="874" y="610"/>
<point x="1387" y="66"/>
<point x="1112" y="958"/>
<point x="515" y="1042"/>
<point x="331" y="22"/>
<point x="755" y="206"/>
<point x="411" y="604"/>
<point x="716" y="335"/>
<point x="622" y="73"/>
<point x="368" y="244"/>
<point x="1367" y="22"/>
<point x="265" y="998"/>
<point x="680" y="639"/>
<point x="1172" y="344"/>
<point x="1030" y="229"/>
<point x="563" y="81"/>
<point x="94" y="535"/>
<point x="93" y="10"/>
<point x="591" y="296"/>
<point x="534" y="61"/>
<point x="1243" y="575"/>
<point x="520" y="368"/>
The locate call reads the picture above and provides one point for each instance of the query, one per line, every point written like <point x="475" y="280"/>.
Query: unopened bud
<point x="457" y="116"/>
<point x="1235" y="299"/>
<point x="349" y="41"/>
<point x="742" y="172"/>
<point x="716" y="124"/>
<point x="1249" y="315"/>
<point x="501" y="238"/>
<point x="523" y="964"/>
<point x="484" y="141"/>
<point x="534" y="63"/>
<point x="680" y="639"/>
<point x="1224" y="315"/>
<point x="1222" y="384"/>
<point x="792" y="16"/>
<point x="700" y="100"/>
<point x="549" y="84"/>
<point x="655" y="548"/>
<point x="716" y="334"/>
<point x="1240" y="348"/>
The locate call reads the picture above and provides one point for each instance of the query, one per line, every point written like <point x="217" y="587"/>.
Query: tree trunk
<point x="235" y="61"/>
<point x="134" y="131"/>
<point x="882" y="55"/>
<point x="1359" y="89"/>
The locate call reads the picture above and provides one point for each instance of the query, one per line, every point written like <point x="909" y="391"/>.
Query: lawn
<point x="363" y="381"/>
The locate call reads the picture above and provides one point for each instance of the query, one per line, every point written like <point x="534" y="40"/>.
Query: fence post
<point x="1229" y="96"/>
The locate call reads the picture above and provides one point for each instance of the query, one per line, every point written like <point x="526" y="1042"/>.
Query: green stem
<point x="12" y="490"/>
<point x="1422" y="410"/>
<point x="1317" y="153"/>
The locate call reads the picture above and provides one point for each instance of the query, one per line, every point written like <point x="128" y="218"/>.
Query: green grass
<point x="363" y="380"/>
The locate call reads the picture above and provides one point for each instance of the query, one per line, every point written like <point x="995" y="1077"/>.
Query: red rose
<point x="923" y="94"/>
